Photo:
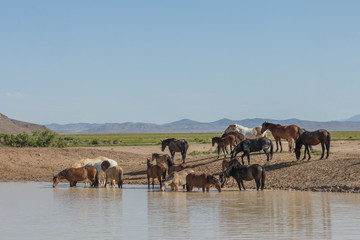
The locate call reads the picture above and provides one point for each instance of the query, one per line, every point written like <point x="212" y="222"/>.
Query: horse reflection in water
<point x="246" y="173"/>
<point x="74" y="175"/>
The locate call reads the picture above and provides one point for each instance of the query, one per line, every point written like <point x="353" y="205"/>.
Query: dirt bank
<point x="339" y="173"/>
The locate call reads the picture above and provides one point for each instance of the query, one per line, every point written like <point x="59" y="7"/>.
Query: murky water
<point x="37" y="211"/>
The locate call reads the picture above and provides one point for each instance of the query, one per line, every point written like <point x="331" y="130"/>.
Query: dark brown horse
<point x="246" y="173"/>
<point x="288" y="132"/>
<point x="154" y="171"/>
<point x="307" y="139"/>
<point x="74" y="175"/>
<point x="201" y="180"/>
<point x="175" y="145"/>
<point x="222" y="142"/>
<point x="238" y="136"/>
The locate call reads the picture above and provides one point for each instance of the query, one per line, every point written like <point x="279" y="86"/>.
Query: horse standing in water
<point x="174" y="145"/>
<point x="289" y="132"/>
<point x="253" y="145"/>
<point x="74" y="175"/>
<point x="313" y="138"/>
<point x="247" y="173"/>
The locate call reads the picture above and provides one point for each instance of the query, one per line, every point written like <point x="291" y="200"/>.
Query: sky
<point x="162" y="61"/>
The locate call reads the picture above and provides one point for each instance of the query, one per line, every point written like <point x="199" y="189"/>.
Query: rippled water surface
<point x="37" y="211"/>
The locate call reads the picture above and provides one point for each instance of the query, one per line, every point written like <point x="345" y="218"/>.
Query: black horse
<point x="247" y="173"/>
<point x="312" y="138"/>
<point x="253" y="145"/>
<point x="175" y="145"/>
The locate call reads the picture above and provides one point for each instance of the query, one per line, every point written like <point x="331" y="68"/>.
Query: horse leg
<point x="183" y="155"/>
<point x="267" y="156"/>
<point x="148" y="183"/>
<point x="159" y="178"/>
<point x="323" y="150"/>
<point x="257" y="181"/>
<point x="225" y="149"/>
<point x="242" y="158"/>
<point x="242" y="183"/>
<point x="218" y="152"/>
<point x="238" y="182"/>
<point x="248" y="157"/>
<point x="308" y="151"/>
<point x="277" y="146"/>
<point x="280" y="145"/>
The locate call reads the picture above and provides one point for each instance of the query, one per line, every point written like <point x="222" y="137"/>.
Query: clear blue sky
<point x="161" y="61"/>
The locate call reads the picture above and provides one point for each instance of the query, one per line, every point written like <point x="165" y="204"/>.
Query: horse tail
<point x="328" y="139"/>
<point x="187" y="187"/>
<point x="271" y="149"/>
<point x="185" y="146"/>
<point x="263" y="179"/>
<point x="96" y="182"/>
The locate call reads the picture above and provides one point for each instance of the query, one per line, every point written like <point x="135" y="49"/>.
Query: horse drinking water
<point x="313" y="138"/>
<point x="74" y="175"/>
<point x="253" y="145"/>
<point x="174" y="145"/>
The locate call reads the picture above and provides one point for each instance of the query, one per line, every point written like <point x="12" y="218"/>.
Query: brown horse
<point x="114" y="174"/>
<point x="175" y="145"/>
<point x="160" y="158"/>
<point x="74" y="175"/>
<point x="175" y="167"/>
<point x="154" y="171"/>
<point x="222" y="142"/>
<point x="201" y="180"/>
<point x="288" y="132"/>
<point x="240" y="172"/>
<point x="238" y="136"/>
<point x="313" y="138"/>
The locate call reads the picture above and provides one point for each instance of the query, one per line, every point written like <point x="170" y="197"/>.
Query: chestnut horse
<point x="154" y="171"/>
<point x="247" y="173"/>
<point x="74" y="175"/>
<point x="222" y="142"/>
<point x="313" y="138"/>
<point x="175" y="145"/>
<point x="201" y="180"/>
<point x="288" y="132"/>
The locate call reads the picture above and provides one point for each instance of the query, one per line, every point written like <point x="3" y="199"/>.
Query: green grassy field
<point x="143" y="139"/>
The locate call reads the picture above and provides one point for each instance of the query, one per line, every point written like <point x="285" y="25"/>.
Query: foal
<point x="223" y="142"/>
<point x="154" y="171"/>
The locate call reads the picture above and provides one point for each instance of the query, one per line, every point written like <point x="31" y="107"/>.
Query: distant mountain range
<point x="11" y="126"/>
<point x="190" y="126"/>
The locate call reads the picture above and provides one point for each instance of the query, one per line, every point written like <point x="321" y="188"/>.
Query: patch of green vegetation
<point x="197" y="153"/>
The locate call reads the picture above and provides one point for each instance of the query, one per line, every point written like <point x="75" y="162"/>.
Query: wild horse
<point x="246" y="173"/>
<point x="253" y="145"/>
<point x="288" y="132"/>
<point x="313" y="138"/>
<point x="175" y="145"/>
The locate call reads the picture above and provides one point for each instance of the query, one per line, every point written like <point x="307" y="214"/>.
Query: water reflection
<point x="36" y="211"/>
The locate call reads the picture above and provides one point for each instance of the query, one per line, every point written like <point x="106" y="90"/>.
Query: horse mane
<point x="62" y="173"/>
<point x="148" y="162"/>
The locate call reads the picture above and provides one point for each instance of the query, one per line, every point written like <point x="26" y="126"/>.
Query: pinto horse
<point x="174" y="145"/>
<point x="253" y="145"/>
<point x="247" y="173"/>
<point x="313" y="138"/>
<point x="74" y="175"/>
<point x="248" y="133"/>
<point x="288" y="132"/>
<point x="222" y="142"/>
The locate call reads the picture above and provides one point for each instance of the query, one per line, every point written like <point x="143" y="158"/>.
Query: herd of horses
<point x="237" y="137"/>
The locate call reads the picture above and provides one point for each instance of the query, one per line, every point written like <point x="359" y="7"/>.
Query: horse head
<point x="213" y="180"/>
<point x="56" y="180"/>
<point x="264" y="127"/>
<point x="213" y="140"/>
<point x="163" y="145"/>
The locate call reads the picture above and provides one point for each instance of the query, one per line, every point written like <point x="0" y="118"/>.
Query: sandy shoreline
<point x="339" y="173"/>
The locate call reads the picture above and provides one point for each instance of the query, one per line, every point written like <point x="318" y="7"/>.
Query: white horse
<point x="249" y="133"/>
<point x="96" y="162"/>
